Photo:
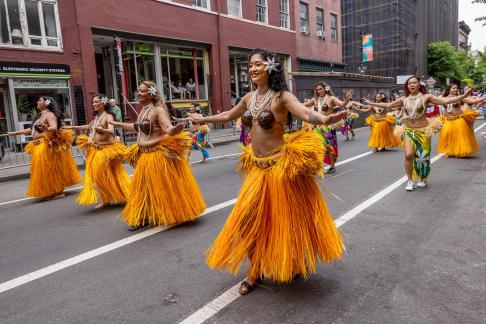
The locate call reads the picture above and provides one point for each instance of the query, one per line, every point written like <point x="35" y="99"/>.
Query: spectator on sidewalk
<point x="118" y="115"/>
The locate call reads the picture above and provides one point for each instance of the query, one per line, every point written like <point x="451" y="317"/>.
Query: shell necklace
<point x="412" y="104"/>
<point x="96" y="123"/>
<point x="321" y="104"/>
<point x="257" y="107"/>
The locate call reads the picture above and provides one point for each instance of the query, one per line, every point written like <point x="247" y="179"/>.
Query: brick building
<point x="73" y="49"/>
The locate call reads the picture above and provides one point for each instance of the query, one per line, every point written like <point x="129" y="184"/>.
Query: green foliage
<point x="483" y="18"/>
<point x="445" y="62"/>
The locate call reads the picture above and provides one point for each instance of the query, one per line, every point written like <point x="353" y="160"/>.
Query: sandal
<point x="246" y="287"/>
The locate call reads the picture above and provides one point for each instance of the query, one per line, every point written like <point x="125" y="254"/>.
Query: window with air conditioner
<point x="304" y="17"/>
<point x="30" y="23"/>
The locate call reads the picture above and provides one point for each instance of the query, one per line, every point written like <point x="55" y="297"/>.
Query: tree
<point x="483" y="18"/>
<point x="441" y="61"/>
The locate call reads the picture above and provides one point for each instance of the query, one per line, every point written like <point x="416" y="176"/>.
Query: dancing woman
<point x="52" y="167"/>
<point x="417" y="130"/>
<point x="457" y="136"/>
<point x="325" y="102"/>
<point x="104" y="156"/>
<point x="381" y="126"/>
<point x="163" y="190"/>
<point x="280" y="221"/>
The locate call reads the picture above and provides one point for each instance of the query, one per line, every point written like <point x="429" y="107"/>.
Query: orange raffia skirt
<point x="457" y="136"/>
<point x="163" y="190"/>
<point x="381" y="134"/>
<point x="52" y="167"/>
<point x="280" y="222"/>
<point x="104" y="169"/>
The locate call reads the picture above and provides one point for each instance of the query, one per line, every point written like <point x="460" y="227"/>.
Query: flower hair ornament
<point x="327" y="88"/>
<point x="104" y="100"/>
<point x="422" y="83"/>
<point x="153" y="91"/>
<point x="271" y="65"/>
<point x="47" y="102"/>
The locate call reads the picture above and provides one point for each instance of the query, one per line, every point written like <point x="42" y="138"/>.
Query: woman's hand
<point x="195" y="118"/>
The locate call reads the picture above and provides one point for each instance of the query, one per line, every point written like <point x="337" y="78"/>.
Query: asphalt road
<point x="415" y="257"/>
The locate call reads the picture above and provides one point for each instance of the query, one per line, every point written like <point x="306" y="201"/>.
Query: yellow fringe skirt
<point x="52" y="167"/>
<point x="104" y="169"/>
<point x="457" y="136"/>
<point x="381" y="134"/>
<point x="280" y="222"/>
<point x="163" y="190"/>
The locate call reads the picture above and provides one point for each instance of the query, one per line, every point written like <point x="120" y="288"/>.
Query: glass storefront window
<point x="139" y="65"/>
<point x="183" y="73"/>
<point x="26" y="100"/>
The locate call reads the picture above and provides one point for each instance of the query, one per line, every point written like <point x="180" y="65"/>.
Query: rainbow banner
<point x="367" y="45"/>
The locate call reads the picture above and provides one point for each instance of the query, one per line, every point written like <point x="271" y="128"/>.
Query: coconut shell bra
<point x="259" y="112"/>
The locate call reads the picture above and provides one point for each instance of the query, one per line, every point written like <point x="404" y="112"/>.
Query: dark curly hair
<point x="382" y="96"/>
<point x="53" y="107"/>
<point x="277" y="81"/>
<point x="447" y="91"/>
<point x="422" y="88"/>
<point x="107" y="106"/>
<point x="325" y="86"/>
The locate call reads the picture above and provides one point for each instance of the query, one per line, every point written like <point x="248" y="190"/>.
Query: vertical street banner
<point x="367" y="45"/>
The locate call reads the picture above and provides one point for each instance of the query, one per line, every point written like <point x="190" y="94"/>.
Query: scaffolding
<point x="392" y="24"/>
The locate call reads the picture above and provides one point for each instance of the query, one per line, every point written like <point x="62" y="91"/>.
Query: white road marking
<point x="22" y="280"/>
<point x="212" y="308"/>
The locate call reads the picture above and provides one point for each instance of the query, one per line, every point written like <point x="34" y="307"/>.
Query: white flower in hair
<point x="327" y="88"/>
<point x="104" y="100"/>
<point x="47" y="102"/>
<point x="271" y="65"/>
<point x="153" y="91"/>
<point x="422" y="83"/>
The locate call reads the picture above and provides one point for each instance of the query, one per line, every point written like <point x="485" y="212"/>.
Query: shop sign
<point x="20" y="69"/>
<point x="39" y="84"/>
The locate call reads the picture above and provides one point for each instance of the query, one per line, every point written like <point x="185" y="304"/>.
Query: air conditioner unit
<point x="304" y="29"/>
<point x="321" y="34"/>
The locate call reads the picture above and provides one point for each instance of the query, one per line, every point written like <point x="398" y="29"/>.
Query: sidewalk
<point x="23" y="172"/>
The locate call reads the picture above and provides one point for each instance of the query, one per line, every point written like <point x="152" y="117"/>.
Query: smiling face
<point x="143" y="96"/>
<point x="41" y="104"/>
<point x="378" y="97"/>
<point x="320" y="91"/>
<point x="257" y="70"/>
<point x="98" y="105"/>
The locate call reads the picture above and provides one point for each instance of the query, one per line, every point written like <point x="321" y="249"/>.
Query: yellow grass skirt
<point x="163" y="190"/>
<point x="52" y="167"/>
<point x="104" y="169"/>
<point x="381" y="134"/>
<point x="280" y="222"/>
<point x="457" y="136"/>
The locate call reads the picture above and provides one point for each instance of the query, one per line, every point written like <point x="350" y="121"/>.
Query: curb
<point x="22" y="176"/>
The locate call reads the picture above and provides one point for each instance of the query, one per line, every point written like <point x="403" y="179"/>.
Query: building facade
<point x="401" y="31"/>
<point x="39" y="55"/>
<point x="463" y="37"/>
